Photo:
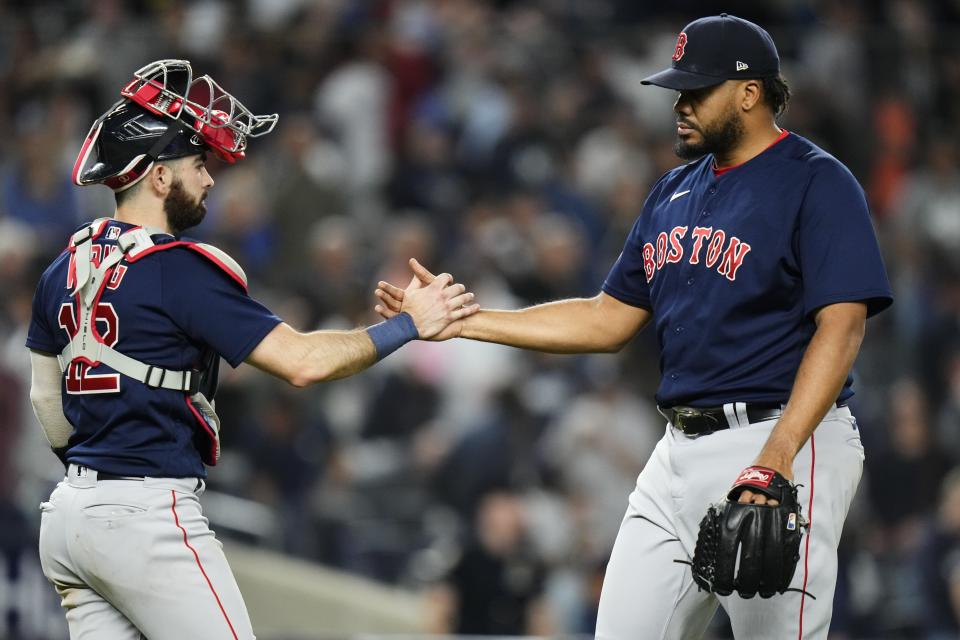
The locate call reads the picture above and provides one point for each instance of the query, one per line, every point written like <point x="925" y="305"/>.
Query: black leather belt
<point x="695" y="421"/>
<point x="107" y="476"/>
<point x="110" y="476"/>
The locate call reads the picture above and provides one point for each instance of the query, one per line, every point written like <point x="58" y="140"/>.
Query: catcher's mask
<point x="165" y="113"/>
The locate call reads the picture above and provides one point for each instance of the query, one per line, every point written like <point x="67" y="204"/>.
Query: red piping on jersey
<point x="806" y="553"/>
<point x="206" y="427"/>
<point x="191" y="245"/>
<point x="196" y="556"/>
<point x="720" y="172"/>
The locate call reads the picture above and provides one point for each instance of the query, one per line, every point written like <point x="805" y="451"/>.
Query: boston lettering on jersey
<point x="734" y="265"/>
<point x="177" y="305"/>
<point x="669" y="250"/>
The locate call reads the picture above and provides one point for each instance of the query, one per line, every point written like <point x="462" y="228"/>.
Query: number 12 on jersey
<point x="79" y="379"/>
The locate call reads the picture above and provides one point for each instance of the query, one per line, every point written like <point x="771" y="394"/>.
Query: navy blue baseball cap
<point x="718" y="48"/>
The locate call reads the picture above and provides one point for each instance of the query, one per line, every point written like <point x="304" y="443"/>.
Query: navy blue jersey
<point x="173" y="307"/>
<point x="733" y="266"/>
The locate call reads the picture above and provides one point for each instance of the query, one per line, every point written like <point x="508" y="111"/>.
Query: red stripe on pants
<point x="199" y="564"/>
<point x="806" y="553"/>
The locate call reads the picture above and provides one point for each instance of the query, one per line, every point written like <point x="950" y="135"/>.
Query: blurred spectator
<point x="598" y="446"/>
<point x="291" y="455"/>
<point x="929" y="210"/>
<point x="426" y="178"/>
<point x="29" y="608"/>
<point x="240" y="219"/>
<point x="332" y="278"/>
<point x="495" y="455"/>
<point x="948" y="423"/>
<point x="353" y="101"/>
<point x="905" y="478"/>
<point x="303" y="186"/>
<point x="34" y="188"/>
<point x="895" y="130"/>
<point x="939" y="563"/>
<point x="496" y="585"/>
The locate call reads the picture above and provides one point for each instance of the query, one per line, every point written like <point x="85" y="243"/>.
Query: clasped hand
<point x="436" y="304"/>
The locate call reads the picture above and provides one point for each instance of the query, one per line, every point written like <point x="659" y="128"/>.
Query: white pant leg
<point x="643" y="597"/>
<point x="89" y="616"/>
<point x="829" y="466"/>
<point x="646" y="594"/>
<point x="147" y="549"/>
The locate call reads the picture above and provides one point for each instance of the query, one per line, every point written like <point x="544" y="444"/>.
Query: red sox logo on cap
<point x="681" y="46"/>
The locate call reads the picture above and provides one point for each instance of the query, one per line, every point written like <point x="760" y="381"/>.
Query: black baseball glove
<point x="750" y="548"/>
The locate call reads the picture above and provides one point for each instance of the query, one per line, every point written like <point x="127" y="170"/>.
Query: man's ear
<point x="160" y="179"/>
<point x="751" y="94"/>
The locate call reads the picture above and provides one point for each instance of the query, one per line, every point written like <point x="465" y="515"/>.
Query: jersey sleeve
<point x="840" y="259"/>
<point x="41" y="335"/>
<point x="210" y="306"/>
<point x="627" y="280"/>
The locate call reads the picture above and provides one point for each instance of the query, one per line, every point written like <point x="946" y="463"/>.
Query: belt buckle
<point x="682" y="414"/>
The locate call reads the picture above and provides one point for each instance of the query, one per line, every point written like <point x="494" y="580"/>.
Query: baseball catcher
<point x="129" y="325"/>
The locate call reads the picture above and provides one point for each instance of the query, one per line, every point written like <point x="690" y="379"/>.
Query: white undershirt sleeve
<point x="46" y="399"/>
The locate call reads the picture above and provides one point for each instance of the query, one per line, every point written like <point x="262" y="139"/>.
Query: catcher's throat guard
<point x="165" y="113"/>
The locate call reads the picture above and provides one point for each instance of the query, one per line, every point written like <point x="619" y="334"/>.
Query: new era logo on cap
<point x="718" y="48"/>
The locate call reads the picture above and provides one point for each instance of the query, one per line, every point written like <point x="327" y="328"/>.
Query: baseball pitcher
<point x="757" y="264"/>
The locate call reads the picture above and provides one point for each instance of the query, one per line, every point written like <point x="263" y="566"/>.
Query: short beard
<point x="182" y="211"/>
<point x="720" y="139"/>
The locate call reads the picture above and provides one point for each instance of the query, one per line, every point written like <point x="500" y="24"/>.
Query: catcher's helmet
<point x="128" y="141"/>
<point x="165" y="113"/>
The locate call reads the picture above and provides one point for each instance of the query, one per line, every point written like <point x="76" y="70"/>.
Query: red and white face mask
<point x="167" y="88"/>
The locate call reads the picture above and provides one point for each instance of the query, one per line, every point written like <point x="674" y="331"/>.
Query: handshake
<point x="435" y="304"/>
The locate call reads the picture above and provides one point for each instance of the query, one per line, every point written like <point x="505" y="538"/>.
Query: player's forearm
<point x="303" y="359"/>
<point x="566" y="326"/>
<point x="332" y="355"/>
<point x="822" y="373"/>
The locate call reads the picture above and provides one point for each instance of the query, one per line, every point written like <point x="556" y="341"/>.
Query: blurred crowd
<point x="510" y="143"/>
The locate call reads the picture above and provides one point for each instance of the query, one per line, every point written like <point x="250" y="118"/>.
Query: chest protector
<point x="88" y="347"/>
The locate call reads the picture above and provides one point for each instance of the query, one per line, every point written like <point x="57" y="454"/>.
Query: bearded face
<point x="718" y="137"/>
<point x="183" y="210"/>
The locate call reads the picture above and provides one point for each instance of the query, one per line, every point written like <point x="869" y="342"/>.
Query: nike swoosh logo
<point x="678" y="194"/>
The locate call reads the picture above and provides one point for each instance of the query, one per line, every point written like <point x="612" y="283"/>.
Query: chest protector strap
<point x="87" y="345"/>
